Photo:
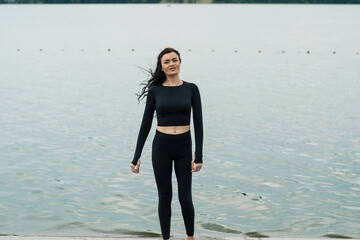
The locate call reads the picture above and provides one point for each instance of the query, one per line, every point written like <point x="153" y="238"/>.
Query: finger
<point x="193" y="166"/>
<point x="197" y="167"/>
<point x="192" y="163"/>
<point x="132" y="168"/>
<point x="136" y="168"/>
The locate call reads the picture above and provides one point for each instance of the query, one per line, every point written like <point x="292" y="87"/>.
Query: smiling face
<point x="170" y="64"/>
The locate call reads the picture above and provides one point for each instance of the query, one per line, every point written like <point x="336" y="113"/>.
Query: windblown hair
<point x="157" y="77"/>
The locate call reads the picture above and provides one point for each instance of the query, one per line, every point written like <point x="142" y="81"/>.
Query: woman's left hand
<point x="197" y="166"/>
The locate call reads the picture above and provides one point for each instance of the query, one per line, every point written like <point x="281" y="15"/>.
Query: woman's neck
<point x="172" y="80"/>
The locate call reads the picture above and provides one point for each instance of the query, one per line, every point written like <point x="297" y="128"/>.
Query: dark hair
<point x="157" y="77"/>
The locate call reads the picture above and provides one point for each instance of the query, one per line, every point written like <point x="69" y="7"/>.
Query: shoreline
<point x="12" y="237"/>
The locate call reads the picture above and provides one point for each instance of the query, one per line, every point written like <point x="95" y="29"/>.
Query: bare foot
<point x="190" y="238"/>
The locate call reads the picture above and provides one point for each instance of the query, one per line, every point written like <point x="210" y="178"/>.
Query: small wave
<point x="121" y="231"/>
<point x="256" y="235"/>
<point x="71" y="225"/>
<point x="117" y="231"/>
<point x="336" y="236"/>
<point x="219" y="228"/>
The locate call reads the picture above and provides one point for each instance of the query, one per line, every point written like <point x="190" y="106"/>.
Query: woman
<point x="172" y="98"/>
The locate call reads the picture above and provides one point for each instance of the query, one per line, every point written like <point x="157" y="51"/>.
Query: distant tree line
<point x="183" y="1"/>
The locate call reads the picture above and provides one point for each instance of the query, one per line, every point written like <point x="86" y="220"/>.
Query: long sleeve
<point x="145" y="125"/>
<point x="198" y="124"/>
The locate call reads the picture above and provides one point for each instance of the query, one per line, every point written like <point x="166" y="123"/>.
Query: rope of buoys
<point x="189" y="50"/>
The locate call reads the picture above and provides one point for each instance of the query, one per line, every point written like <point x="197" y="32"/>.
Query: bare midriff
<point x="173" y="129"/>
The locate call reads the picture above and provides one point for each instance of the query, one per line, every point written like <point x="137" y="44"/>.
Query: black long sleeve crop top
<point x="173" y="107"/>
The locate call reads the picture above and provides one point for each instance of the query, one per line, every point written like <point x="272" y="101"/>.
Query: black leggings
<point x="165" y="149"/>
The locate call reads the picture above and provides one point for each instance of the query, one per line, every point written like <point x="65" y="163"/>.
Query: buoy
<point x="334" y="52"/>
<point x="109" y="50"/>
<point x="308" y="52"/>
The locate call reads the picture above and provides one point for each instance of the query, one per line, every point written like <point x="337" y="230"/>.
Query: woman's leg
<point x="183" y="176"/>
<point x="162" y="165"/>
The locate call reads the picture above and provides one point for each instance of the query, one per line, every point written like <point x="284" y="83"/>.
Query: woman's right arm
<point x="145" y="124"/>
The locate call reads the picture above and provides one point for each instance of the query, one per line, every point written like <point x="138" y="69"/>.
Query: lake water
<point x="281" y="94"/>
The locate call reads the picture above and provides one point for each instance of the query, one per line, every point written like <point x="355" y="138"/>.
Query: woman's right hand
<point x="135" y="169"/>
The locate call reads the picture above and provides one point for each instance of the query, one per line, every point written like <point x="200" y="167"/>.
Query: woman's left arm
<point x="198" y="126"/>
